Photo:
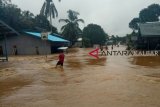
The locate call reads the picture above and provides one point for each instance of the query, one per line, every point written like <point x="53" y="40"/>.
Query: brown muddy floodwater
<point x="120" y="81"/>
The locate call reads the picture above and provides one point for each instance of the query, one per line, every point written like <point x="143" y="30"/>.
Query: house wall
<point x="149" y="43"/>
<point x="26" y="45"/>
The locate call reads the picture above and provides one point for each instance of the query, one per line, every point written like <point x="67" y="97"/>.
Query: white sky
<point x="112" y="15"/>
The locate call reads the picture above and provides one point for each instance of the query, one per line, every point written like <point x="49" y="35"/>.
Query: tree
<point x="113" y="38"/>
<point x="149" y="14"/>
<point x="42" y="24"/>
<point x="4" y="2"/>
<point x="24" y="20"/>
<point x="134" y="23"/>
<point x="27" y="14"/>
<point x="86" y="42"/>
<point x="95" y="34"/>
<point x="71" y="30"/>
<point x="11" y="15"/>
<point x="49" y="10"/>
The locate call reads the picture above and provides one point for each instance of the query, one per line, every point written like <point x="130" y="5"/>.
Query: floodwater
<point x="119" y="81"/>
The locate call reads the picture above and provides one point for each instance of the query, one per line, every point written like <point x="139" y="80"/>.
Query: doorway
<point x="15" y="51"/>
<point x="1" y="51"/>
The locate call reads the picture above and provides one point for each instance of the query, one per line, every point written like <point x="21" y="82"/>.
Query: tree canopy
<point x="94" y="34"/>
<point x="4" y="2"/>
<point x="71" y="30"/>
<point x="134" y="23"/>
<point x="23" y="20"/>
<point x="49" y="10"/>
<point x="149" y="14"/>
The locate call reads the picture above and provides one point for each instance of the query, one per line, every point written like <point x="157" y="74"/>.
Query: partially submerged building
<point x="5" y="32"/>
<point x="149" y="36"/>
<point x="27" y="43"/>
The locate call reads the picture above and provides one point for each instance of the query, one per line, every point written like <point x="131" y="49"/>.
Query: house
<point x="149" y="36"/>
<point x="28" y="43"/>
<point x="5" y="31"/>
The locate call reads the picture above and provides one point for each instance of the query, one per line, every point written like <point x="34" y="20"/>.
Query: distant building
<point x="149" y="36"/>
<point x="109" y="42"/>
<point x="78" y="43"/>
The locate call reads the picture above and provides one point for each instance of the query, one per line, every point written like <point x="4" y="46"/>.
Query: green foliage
<point x="116" y="40"/>
<point x="71" y="30"/>
<point x="113" y="38"/>
<point x="134" y="23"/>
<point x="149" y="14"/>
<point x="94" y="34"/>
<point x="122" y="40"/>
<point x="40" y="21"/>
<point x="11" y="15"/>
<point x="4" y="2"/>
<point x="131" y="43"/>
<point x="72" y="15"/>
<point x="49" y="10"/>
<point x="23" y="20"/>
<point x="86" y="42"/>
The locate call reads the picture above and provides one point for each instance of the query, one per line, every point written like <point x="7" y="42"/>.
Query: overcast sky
<point x="112" y="15"/>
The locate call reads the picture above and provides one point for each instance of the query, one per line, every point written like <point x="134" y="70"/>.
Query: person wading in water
<point x="102" y="50"/>
<point x="61" y="59"/>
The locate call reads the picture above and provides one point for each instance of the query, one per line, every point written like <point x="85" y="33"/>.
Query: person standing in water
<point x="61" y="59"/>
<point x="102" y="50"/>
<point x="112" y="47"/>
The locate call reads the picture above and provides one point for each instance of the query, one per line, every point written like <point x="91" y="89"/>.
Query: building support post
<point x="6" y="53"/>
<point x="148" y="43"/>
<point x="45" y="45"/>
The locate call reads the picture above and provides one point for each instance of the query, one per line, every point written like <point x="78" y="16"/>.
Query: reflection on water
<point x="146" y="61"/>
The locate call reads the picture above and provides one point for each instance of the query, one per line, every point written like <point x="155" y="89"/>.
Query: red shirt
<point x="61" y="57"/>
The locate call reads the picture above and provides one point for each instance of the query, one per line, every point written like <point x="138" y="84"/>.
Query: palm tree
<point x="71" y="30"/>
<point x="49" y="10"/>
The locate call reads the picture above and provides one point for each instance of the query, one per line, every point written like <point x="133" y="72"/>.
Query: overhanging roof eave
<point x="8" y="28"/>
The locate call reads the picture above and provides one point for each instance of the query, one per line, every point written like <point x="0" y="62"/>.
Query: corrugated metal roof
<point x="150" y="29"/>
<point x="50" y="37"/>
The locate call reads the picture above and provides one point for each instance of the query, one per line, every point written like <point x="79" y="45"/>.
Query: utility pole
<point x="44" y="37"/>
